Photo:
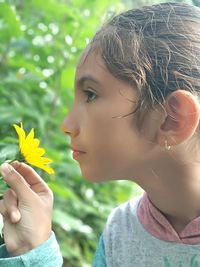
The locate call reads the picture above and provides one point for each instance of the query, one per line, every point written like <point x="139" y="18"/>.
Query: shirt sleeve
<point x="99" y="258"/>
<point x="46" y="255"/>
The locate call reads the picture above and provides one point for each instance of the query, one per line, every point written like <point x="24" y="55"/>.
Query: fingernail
<point x="5" y="169"/>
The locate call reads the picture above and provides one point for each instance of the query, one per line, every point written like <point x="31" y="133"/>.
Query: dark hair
<point x="155" y="48"/>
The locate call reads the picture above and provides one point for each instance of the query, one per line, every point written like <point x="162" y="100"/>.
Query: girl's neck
<point x="175" y="191"/>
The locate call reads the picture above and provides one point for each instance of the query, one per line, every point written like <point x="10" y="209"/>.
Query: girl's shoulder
<point x="124" y="211"/>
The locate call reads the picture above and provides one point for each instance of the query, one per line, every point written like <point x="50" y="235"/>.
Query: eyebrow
<point x="86" y="78"/>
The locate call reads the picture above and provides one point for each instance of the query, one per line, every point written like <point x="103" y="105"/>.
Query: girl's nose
<point x="69" y="127"/>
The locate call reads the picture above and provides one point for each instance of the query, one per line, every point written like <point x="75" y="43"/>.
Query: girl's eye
<point x="90" y="95"/>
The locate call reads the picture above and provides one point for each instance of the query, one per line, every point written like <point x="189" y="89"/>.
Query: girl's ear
<point x="181" y="119"/>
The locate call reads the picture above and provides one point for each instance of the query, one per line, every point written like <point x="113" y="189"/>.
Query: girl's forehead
<point x="91" y="68"/>
<point x="89" y="57"/>
<point x="92" y="64"/>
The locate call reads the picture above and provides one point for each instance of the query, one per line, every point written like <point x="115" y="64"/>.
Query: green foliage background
<point x="41" y="42"/>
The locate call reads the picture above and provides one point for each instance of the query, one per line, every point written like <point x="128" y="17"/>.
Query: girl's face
<point x="112" y="146"/>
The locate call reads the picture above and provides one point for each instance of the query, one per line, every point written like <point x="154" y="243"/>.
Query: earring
<point x="167" y="147"/>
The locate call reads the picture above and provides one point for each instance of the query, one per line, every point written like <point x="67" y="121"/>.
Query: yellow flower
<point x="30" y="150"/>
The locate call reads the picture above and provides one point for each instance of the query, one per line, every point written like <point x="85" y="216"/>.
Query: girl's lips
<point x="76" y="150"/>
<point x="76" y="154"/>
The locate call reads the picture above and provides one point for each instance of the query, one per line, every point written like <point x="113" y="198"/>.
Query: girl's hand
<point x="26" y="208"/>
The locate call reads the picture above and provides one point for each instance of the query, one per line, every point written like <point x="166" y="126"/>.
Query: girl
<point x="135" y="116"/>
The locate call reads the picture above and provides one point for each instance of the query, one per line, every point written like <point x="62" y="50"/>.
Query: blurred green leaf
<point x="67" y="222"/>
<point x="9" y="22"/>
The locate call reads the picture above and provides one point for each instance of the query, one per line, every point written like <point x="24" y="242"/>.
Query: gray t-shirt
<point x="128" y="244"/>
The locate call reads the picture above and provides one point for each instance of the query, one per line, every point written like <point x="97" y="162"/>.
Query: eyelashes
<point x="90" y="95"/>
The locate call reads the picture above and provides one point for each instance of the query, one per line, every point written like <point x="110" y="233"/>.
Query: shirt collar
<point x="157" y="224"/>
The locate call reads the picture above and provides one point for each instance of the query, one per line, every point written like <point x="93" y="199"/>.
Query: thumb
<point x="11" y="205"/>
<point x="15" y="181"/>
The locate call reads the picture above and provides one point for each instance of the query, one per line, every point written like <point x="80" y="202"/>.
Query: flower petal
<point x="41" y="166"/>
<point x="36" y="142"/>
<point x="40" y="151"/>
<point x="29" y="148"/>
<point x="21" y="134"/>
